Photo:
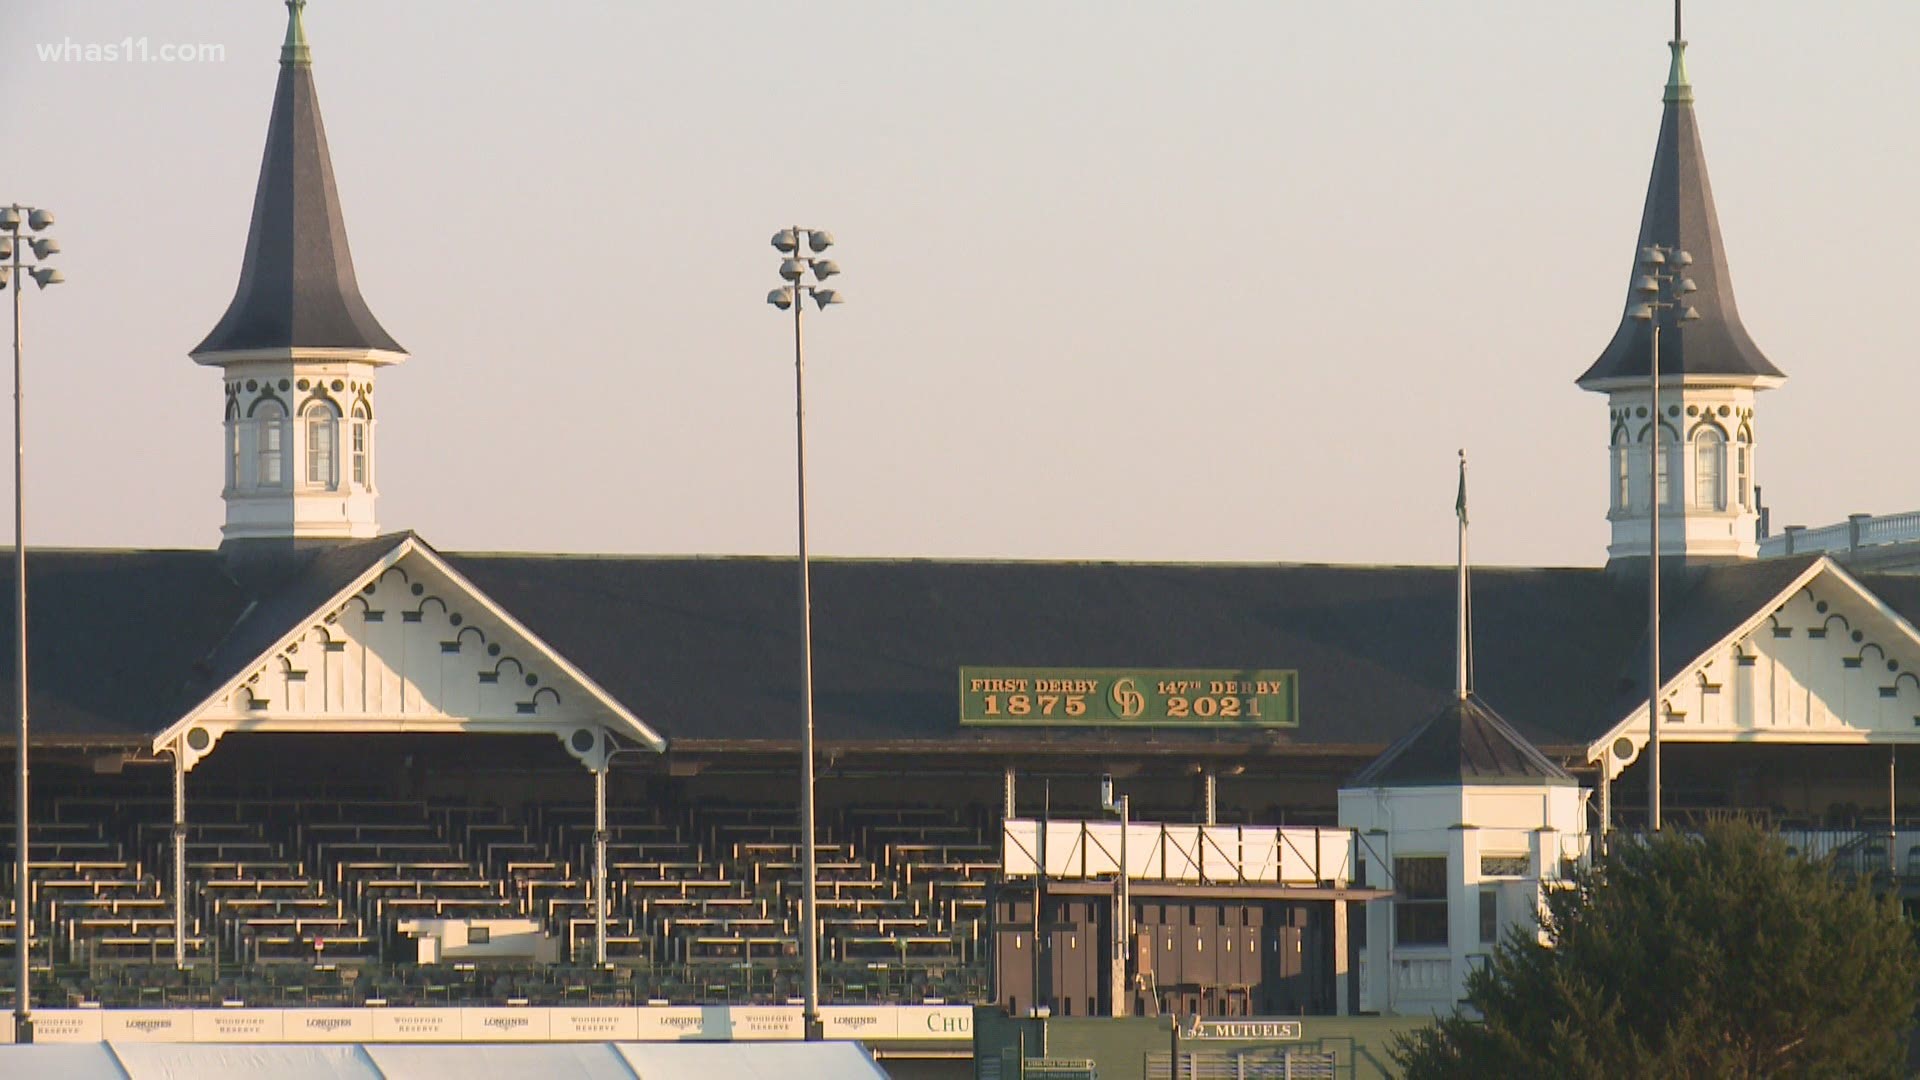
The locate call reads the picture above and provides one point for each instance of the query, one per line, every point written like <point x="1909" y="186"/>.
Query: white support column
<point x="1007" y="807"/>
<point x="1380" y="932"/>
<point x="1342" y="973"/>
<point x="1893" y="807"/>
<point x="1606" y="798"/>
<point x="600" y="864"/>
<point x="1212" y="790"/>
<point x="179" y="855"/>
<point x="1123" y="923"/>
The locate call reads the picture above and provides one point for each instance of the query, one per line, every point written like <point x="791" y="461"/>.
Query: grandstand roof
<point x="707" y="648"/>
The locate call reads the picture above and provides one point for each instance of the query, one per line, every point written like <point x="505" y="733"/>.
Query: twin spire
<point x="298" y="347"/>
<point x="297" y="287"/>
<point x="1679" y="213"/>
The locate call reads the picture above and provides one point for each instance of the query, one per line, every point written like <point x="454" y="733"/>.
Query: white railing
<point x="1261" y="1064"/>
<point x="1858" y="531"/>
<point x="1200" y="854"/>
<point x="1423" y="976"/>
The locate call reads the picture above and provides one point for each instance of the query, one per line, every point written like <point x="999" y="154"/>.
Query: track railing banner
<point x="936" y="1024"/>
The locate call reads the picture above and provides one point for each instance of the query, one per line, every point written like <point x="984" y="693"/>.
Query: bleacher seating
<point x="300" y="899"/>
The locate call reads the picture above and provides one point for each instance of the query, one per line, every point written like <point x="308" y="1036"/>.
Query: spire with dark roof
<point x="1679" y="212"/>
<point x="1467" y="743"/>
<point x="297" y="288"/>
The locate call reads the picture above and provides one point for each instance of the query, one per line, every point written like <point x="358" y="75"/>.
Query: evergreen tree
<point x="1711" y="955"/>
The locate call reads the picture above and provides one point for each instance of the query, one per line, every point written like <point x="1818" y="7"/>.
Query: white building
<point x="1469" y="822"/>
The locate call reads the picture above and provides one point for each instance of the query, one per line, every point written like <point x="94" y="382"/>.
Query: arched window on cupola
<point x="1666" y="485"/>
<point x="1709" y="468"/>
<point x="323" y="438"/>
<point x="269" y="443"/>
<point x="236" y="470"/>
<point x="1743" y="469"/>
<point x="1623" y="458"/>
<point x="361" y="435"/>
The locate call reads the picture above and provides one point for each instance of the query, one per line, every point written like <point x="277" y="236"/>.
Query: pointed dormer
<point x="1466" y="743"/>
<point x="298" y="345"/>
<point x="1710" y="370"/>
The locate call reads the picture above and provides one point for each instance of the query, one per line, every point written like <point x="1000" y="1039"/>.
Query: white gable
<point x="411" y="647"/>
<point x="1827" y="663"/>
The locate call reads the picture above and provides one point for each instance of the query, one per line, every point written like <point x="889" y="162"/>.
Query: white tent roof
<point x="595" y="1061"/>
<point x="750" y="1061"/>
<point x="221" y="1061"/>
<point x="536" y="1061"/>
<point x="69" y="1061"/>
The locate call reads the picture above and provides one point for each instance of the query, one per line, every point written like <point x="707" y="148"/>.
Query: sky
<point x="1195" y="282"/>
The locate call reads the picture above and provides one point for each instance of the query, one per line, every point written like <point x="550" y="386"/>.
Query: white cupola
<point x="298" y="345"/>
<point x="1710" y="373"/>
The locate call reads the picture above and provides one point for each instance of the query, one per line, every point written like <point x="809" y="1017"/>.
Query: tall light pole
<point x="1123" y="900"/>
<point x="1663" y="286"/>
<point x="11" y="254"/>
<point x="802" y="248"/>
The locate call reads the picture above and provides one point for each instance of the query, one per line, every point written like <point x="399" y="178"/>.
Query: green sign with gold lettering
<point x="1129" y="697"/>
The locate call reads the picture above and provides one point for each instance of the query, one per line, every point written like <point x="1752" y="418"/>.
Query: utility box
<point x="443" y="941"/>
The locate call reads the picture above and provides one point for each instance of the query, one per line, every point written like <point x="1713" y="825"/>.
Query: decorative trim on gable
<point x="454" y="661"/>
<point x="1841" y="704"/>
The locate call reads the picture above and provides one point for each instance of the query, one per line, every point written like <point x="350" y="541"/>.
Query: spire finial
<point x="1679" y="90"/>
<point x="295" y="51"/>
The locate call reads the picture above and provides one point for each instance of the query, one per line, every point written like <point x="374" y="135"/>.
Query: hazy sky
<point x="1153" y="281"/>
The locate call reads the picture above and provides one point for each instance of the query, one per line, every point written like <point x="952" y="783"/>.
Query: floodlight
<point x="1690" y="314"/>
<point x="792" y="269"/>
<point x="823" y="297"/>
<point x="781" y="298"/>
<point x="1650" y="256"/>
<point x="9" y="218"/>
<point x="824" y="269"/>
<point x="1642" y="312"/>
<point x="6" y="247"/>
<point x="39" y="219"/>
<point x="784" y="241"/>
<point x="5" y="273"/>
<point x="819" y="240"/>
<point x="44" y="276"/>
<point x="1646" y="283"/>
<point x="45" y="246"/>
<point x="1683" y="258"/>
<point x="1685" y="285"/>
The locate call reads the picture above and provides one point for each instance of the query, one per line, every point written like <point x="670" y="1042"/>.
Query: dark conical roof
<point x="297" y="288"/>
<point x="1467" y="743"/>
<point x="1679" y="213"/>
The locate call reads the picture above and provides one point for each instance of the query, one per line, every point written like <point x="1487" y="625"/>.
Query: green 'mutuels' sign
<point x="1108" y="697"/>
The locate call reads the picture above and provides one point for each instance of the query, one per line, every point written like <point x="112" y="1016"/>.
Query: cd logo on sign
<point x="1128" y="703"/>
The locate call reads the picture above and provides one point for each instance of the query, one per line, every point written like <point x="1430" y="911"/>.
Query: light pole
<point x="802" y="248"/>
<point x="1663" y="286"/>
<point x="43" y="275"/>
<point x="1123" y="895"/>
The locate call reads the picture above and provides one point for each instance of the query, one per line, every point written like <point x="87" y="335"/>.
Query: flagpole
<point x="1460" y="687"/>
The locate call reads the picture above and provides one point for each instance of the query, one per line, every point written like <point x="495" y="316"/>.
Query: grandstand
<point x="340" y="890"/>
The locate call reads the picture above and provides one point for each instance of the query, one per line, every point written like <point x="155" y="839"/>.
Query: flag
<point x="1460" y="501"/>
